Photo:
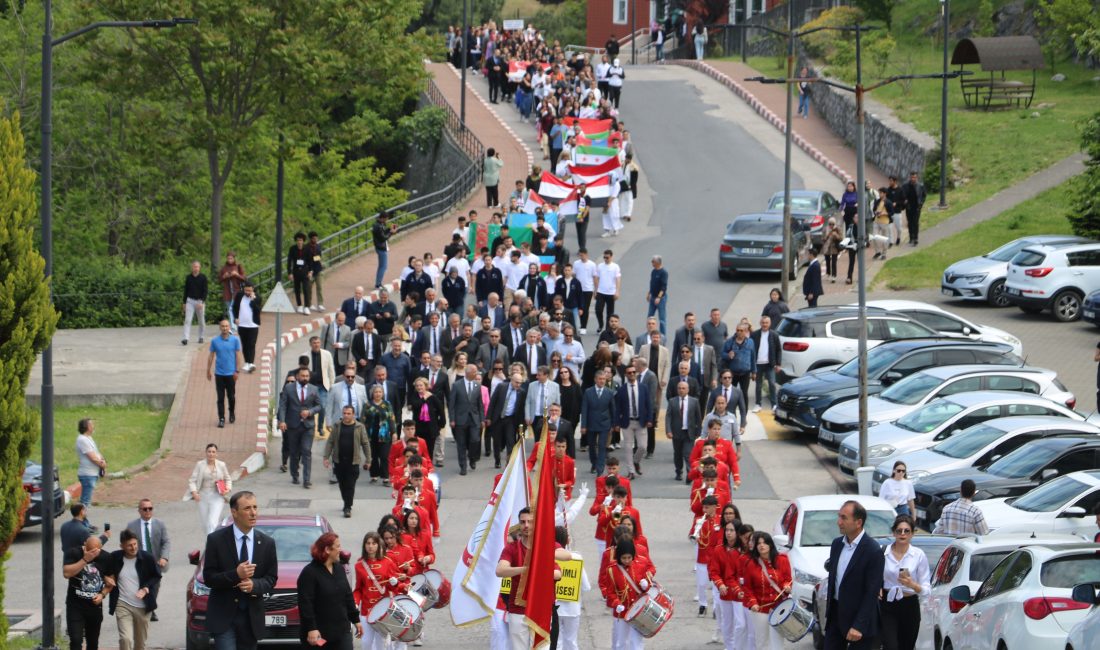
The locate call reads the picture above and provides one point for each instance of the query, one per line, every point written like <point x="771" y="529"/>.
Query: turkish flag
<point x="539" y="587"/>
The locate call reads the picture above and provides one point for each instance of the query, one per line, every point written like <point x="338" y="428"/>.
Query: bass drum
<point x="400" y="618"/>
<point x="650" y="612"/>
<point x="442" y="588"/>
<point x="791" y="620"/>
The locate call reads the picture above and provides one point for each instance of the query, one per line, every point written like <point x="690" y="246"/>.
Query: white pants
<point x="626" y="204"/>
<point x="194" y="308"/>
<point x="519" y="635"/>
<point x="611" y="220"/>
<point x="743" y="631"/>
<point x="371" y="640"/>
<point x="568" y="626"/>
<point x="767" y="637"/>
<point x="626" y="636"/>
<point x="601" y="546"/>
<point x="498" y="631"/>
<point x="880" y="240"/>
<point x="702" y="581"/>
<point x="211" y="506"/>
<point x="896" y="222"/>
<point x="728" y="623"/>
<point x="718" y="612"/>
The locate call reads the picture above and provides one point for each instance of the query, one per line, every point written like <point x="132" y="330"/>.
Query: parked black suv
<point x="1011" y="475"/>
<point x="803" y="400"/>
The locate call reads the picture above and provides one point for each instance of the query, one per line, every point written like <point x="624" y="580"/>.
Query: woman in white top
<point x="906" y="579"/>
<point x="898" y="491"/>
<point x="569" y="611"/>
<point x="204" y="488"/>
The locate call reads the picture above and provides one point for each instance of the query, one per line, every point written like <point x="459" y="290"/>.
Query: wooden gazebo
<point x="998" y="55"/>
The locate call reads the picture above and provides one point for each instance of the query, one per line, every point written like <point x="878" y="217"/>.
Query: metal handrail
<point x="641" y="31"/>
<point x="354" y="239"/>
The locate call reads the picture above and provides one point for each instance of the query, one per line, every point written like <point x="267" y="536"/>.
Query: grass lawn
<point x="525" y="9"/>
<point x="1044" y="214"/>
<point x="126" y="435"/>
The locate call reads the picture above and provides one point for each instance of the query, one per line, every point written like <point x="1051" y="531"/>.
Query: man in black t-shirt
<point x="91" y="576"/>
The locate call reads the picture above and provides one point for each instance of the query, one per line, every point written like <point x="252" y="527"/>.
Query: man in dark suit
<point x="336" y="338"/>
<point x="515" y="335"/>
<point x="649" y="379"/>
<point x="683" y="422"/>
<point x="532" y="353"/>
<point x="366" y="349"/>
<point x="768" y="347"/>
<point x="855" y="580"/>
<point x="634" y="407"/>
<point x="356" y="306"/>
<point x="684" y="375"/>
<point x="240" y="568"/>
<point x="452" y="335"/>
<point x="506" y="414"/>
<point x="686" y="334"/>
<point x="491" y="352"/>
<point x="811" y="281"/>
<point x="299" y="404"/>
<point x="466" y="412"/>
<point x="493" y="310"/>
<point x="598" y="416"/>
<point x="440" y="386"/>
<point x="390" y="390"/>
<point x="431" y="336"/>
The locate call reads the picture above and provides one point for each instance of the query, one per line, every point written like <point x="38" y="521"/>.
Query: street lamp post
<point x="945" y="5"/>
<point x="465" y="49"/>
<point x="46" y="215"/>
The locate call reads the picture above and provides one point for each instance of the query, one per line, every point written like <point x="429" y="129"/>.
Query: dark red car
<point x="294" y="535"/>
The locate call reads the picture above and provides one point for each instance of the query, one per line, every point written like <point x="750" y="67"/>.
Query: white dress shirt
<point x="846" y="551"/>
<point x="917" y="563"/>
<point x="237" y="535"/>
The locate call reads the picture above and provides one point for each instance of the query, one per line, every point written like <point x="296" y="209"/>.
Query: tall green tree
<point x="26" y="324"/>
<point x="1085" y="217"/>
<point x="326" y="73"/>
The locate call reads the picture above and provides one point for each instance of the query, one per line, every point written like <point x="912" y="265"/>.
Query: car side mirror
<point x="944" y="435"/>
<point x="960" y="594"/>
<point x="1073" y="512"/>
<point x="995" y="457"/>
<point x="193" y="557"/>
<point x="345" y="557"/>
<point x="1084" y="593"/>
<point x="827" y="565"/>
<point x="782" y="540"/>
<point x="890" y="377"/>
<point x="1048" y="474"/>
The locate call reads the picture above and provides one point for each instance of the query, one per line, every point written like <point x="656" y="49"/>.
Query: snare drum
<point x="650" y="612"/>
<point x="791" y="620"/>
<point x="399" y="617"/>
<point x="442" y="587"/>
<point x="422" y="588"/>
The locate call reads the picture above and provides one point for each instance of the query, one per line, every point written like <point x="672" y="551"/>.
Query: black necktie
<point x="244" y="548"/>
<point x="633" y="401"/>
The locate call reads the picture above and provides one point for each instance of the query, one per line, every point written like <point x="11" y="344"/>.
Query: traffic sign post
<point x="278" y="303"/>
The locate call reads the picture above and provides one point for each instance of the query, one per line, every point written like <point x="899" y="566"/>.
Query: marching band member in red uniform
<point x="408" y="440"/>
<point x="611" y="514"/>
<point x="565" y="469"/>
<point x="725" y="573"/>
<point x="375" y="579"/>
<point x="626" y="581"/>
<point x="708" y="460"/>
<point x="767" y="583"/>
<point x="419" y="539"/>
<point x="710" y="487"/>
<point x="724" y="450"/>
<point x="409" y="502"/>
<point x="414" y="463"/>
<point x="603" y="490"/>
<point x="706" y="533"/>
<point x="399" y="554"/>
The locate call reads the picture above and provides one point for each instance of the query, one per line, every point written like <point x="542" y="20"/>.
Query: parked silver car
<point x="983" y="277"/>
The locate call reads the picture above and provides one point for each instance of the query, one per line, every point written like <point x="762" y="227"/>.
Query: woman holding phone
<point x="906" y="579"/>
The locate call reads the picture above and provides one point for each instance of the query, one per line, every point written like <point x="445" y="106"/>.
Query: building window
<point x="620" y="12"/>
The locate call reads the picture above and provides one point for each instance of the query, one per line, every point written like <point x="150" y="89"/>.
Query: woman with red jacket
<point x="399" y="554"/>
<point x="419" y="539"/>
<point x="767" y="576"/>
<point x="375" y="579"/>
<point x="622" y="533"/>
<point x="627" y="579"/>
<point x="725" y="573"/>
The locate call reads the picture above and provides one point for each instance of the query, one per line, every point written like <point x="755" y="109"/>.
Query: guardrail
<point x="640" y="32"/>
<point x="354" y="239"/>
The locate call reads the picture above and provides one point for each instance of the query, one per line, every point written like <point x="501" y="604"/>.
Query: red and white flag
<point x="590" y="173"/>
<point x="476" y="585"/>
<point x="533" y="201"/>
<point x="537" y="588"/>
<point x="552" y="187"/>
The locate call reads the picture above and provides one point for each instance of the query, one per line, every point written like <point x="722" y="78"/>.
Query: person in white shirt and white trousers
<point x="906" y="580"/>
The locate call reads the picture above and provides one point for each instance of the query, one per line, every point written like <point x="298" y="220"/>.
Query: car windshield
<point x="1050" y="496"/>
<point x="819" y="526"/>
<point x="293" y="542"/>
<point x="1024" y="462"/>
<point x="966" y="443"/>
<point x="929" y="416"/>
<point x="878" y="360"/>
<point x="1066" y="572"/>
<point x="755" y="227"/>
<point x="798" y="203"/>
<point x="981" y="564"/>
<point x="910" y="390"/>
<point x="1008" y="251"/>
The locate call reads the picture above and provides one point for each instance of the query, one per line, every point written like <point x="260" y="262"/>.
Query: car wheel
<point x="724" y="275"/>
<point x="996" y="296"/>
<point x="1066" y="306"/>
<point x="818" y="635"/>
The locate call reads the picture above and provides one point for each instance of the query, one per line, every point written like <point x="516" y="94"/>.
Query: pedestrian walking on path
<point x="490" y="177"/>
<point x="914" y="202"/>
<point x="209" y="483"/>
<point x="232" y="277"/>
<point x="92" y="464"/>
<point x="223" y="366"/>
<point x="195" y="290"/>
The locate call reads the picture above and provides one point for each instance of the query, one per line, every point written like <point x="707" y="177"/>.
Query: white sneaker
<point x="320" y="307"/>
<point x="756" y="409"/>
<point x="584" y="331"/>
<point x="606" y="234"/>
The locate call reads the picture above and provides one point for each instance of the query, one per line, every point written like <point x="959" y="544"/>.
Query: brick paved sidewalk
<point x="196" y="426"/>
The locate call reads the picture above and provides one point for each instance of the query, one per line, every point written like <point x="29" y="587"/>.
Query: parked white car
<point x="940" y="419"/>
<point x="981" y="444"/>
<point x="1084" y="635"/>
<point x="968" y="561"/>
<point x="922" y="387"/>
<point x="807" y="530"/>
<point x="1025" y="602"/>
<point x="949" y="324"/>
<point x="1054" y="278"/>
<point x="1063" y="505"/>
<point x="983" y="277"/>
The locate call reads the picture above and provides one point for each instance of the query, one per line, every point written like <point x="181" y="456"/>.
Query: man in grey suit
<point x="706" y="359"/>
<point x="491" y="351"/>
<point x="652" y="384"/>
<point x="337" y="340"/>
<point x="467" y="411"/>
<point x="597" y="418"/>
<point x="651" y="326"/>
<point x="152" y="534"/>
<point x="541" y="393"/>
<point x="683" y="422"/>
<point x="299" y="404"/>
<point x="345" y="393"/>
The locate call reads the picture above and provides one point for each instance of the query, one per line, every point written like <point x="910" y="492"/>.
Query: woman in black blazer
<point x="427" y="412"/>
<point x="571" y="395"/>
<point x="325" y="603"/>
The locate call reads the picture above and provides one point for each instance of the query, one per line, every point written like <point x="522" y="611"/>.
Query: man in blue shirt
<point x="222" y="367"/>
<point x="556" y="133"/>
<point x="657" y="298"/>
<point x="739" y="357"/>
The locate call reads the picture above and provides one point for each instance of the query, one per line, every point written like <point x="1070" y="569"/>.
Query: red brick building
<point x="612" y="17"/>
